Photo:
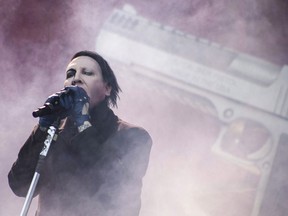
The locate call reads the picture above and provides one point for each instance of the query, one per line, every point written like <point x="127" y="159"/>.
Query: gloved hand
<point x="80" y="109"/>
<point x="71" y="101"/>
<point x="63" y="103"/>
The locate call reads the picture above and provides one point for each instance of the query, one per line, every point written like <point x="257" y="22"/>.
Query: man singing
<point x="96" y="165"/>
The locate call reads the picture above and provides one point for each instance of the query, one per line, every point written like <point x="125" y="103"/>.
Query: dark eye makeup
<point x="88" y="73"/>
<point x="70" y="73"/>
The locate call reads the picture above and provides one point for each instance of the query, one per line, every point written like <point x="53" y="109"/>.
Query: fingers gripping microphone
<point x="51" y="106"/>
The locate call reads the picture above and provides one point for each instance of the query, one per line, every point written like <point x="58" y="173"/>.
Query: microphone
<point x="47" y="109"/>
<point x="53" y="106"/>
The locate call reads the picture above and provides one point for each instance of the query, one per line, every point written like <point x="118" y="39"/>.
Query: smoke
<point x="184" y="178"/>
<point x="255" y="27"/>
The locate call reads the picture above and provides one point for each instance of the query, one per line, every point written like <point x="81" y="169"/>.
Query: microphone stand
<point x="49" y="139"/>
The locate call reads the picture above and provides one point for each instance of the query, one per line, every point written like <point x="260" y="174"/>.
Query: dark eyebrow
<point x="86" y="69"/>
<point x="71" y="69"/>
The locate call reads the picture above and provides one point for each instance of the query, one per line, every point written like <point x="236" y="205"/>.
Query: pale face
<point x="85" y="72"/>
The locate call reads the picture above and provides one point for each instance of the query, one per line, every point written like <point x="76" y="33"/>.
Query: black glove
<point x="80" y="109"/>
<point x="71" y="101"/>
<point x="62" y="102"/>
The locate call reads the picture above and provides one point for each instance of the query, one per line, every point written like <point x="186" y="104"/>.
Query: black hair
<point x="107" y="74"/>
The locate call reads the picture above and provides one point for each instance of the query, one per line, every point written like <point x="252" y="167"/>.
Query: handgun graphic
<point x="250" y="95"/>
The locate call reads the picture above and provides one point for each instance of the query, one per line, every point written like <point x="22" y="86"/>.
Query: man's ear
<point x="108" y="89"/>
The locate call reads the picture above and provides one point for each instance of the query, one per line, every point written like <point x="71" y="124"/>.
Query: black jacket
<point x="96" y="172"/>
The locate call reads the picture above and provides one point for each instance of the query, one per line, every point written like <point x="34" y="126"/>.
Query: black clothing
<point x="96" y="172"/>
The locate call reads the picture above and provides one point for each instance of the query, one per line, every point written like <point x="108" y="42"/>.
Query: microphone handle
<point x="52" y="106"/>
<point x="47" y="109"/>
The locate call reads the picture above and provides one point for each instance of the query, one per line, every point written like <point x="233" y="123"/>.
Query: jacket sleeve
<point x="22" y="171"/>
<point x="135" y="159"/>
<point x="134" y="163"/>
<point x="134" y="145"/>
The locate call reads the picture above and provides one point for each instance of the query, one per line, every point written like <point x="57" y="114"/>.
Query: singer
<point x="96" y="165"/>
